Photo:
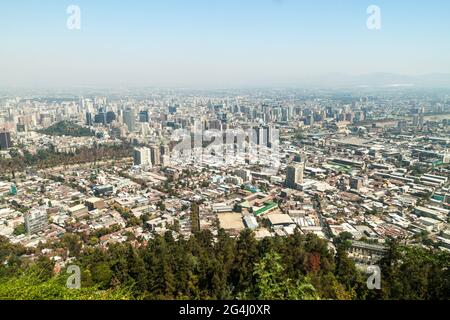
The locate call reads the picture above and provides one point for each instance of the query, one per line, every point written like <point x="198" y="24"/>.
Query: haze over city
<point x="206" y="44"/>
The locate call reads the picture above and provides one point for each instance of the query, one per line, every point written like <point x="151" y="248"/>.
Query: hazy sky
<point x="217" y="42"/>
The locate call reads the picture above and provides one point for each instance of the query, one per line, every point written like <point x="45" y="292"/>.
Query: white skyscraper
<point x="155" y="155"/>
<point x="129" y="119"/>
<point x="142" y="157"/>
<point x="294" y="175"/>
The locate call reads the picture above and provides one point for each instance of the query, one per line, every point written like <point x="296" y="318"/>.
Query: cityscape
<point x="257" y="192"/>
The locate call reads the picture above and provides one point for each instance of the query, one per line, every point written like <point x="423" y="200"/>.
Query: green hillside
<point x="66" y="128"/>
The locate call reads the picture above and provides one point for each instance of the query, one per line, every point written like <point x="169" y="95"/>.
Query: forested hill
<point x="67" y="128"/>
<point x="293" y="267"/>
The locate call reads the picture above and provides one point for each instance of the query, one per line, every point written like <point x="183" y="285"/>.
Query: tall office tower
<point x="268" y="136"/>
<point x="155" y="155"/>
<point x="172" y="109"/>
<point x="421" y="120"/>
<point x="164" y="150"/>
<point x="5" y="140"/>
<point x="359" y="116"/>
<point x="253" y="114"/>
<point x="165" y="155"/>
<point x="349" y="116"/>
<point x="110" y="117"/>
<point x="290" y="111"/>
<point x="285" y="114"/>
<point x="25" y="121"/>
<point x="142" y="157"/>
<point x="329" y="112"/>
<point x="117" y="132"/>
<point x="143" y="116"/>
<point x="129" y="119"/>
<point x="100" y="118"/>
<point x="36" y="221"/>
<point x="309" y="120"/>
<point x="258" y="135"/>
<point x="224" y="117"/>
<point x="88" y="118"/>
<point x="294" y="175"/>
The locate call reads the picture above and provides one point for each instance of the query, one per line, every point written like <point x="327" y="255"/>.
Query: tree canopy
<point x="222" y="267"/>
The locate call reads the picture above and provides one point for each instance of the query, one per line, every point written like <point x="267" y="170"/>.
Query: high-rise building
<point x="129" y="119"/>
<point x="258" y="136"/>
<point x="164" y="156"/>
<point x="110" y="117"/>
<point x="268" y="137"/>
<point x="142" y="157"/>
<point x="36" y="221"/>
<point x="421" y="120"/>
<point x="294" y="175"/>
<point x="285" y="114"/>
<point x="172" y="109"/>
<point x="224" y="117"/>
<point x="5" y="140"/>
<point x="309" y="120"/>
<point x="88" y="118"/>
<point x="359" y="116"/>
<point x="144" y="116"/>
<point x="165" y="150"/>
<point x="100" y="118"/>
<point x="155" y="155"/>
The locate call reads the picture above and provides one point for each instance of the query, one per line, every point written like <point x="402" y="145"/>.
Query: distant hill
<point x="381" y="80"/>
<point x="67" y="128"/>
